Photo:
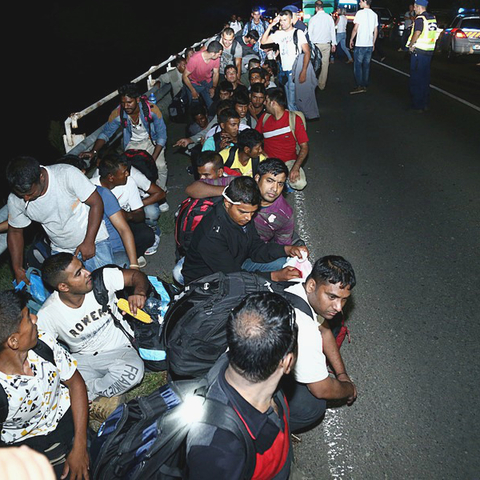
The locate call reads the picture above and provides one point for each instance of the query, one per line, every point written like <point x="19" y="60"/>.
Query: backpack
<point x="42" y="350"/>
<point x="36" y="289"/>
<point x="146" y="111"/>
<point x="177" y="110"/>
<point x="194" y="325"/>
<point x="146" y="338"/>
<point x="144" y="162"/>
<point x="231" y="158"/>
<point x="146" y="437"/>
<point x="315" y="54"/>
<point x="38" y="251"/>
<point x="189" y="214"/>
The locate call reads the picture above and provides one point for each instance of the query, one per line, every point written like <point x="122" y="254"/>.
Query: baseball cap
<point x="422" y="3"/>
<point x="292" y="8"/>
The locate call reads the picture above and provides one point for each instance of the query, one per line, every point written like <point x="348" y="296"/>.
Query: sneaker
<point x="153" y="249"/>
<point x="141" y="262"/>
<point x="364" y="89"/>
<point x="102" y="407"/>
<point x="164" y="207"/>
<point x="358" y="90"/>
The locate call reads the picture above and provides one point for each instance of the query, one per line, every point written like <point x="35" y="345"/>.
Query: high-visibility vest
<point x="428" y="37"/>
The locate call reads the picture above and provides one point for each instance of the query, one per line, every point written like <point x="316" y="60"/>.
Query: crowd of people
<point x="247" y="91"/>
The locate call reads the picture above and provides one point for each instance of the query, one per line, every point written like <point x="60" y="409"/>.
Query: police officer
<point x="421" y="45"/>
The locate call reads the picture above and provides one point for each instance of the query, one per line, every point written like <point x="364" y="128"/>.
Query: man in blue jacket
<point x="143" y="128"/>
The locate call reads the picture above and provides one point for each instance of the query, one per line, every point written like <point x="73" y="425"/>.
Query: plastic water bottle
<point x="156" y="308"/>
<point x="152" y="98"/>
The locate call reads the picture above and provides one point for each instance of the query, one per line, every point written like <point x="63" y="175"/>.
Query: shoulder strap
<point x="255" y="162"/>
<point x="231" y="156"/>
<point x="300" y="303"/>
<point x="3" y="405"/>
<point x="265" y="117"/>
<point x="295" y="39"/>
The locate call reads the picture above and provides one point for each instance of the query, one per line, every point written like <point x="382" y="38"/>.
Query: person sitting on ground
<point x="226" y="237"/>
<point x="261" y="338"/>
<point x="65" y="203"/>
<point x="229" y="122"/>
<point x="143" y="129"/>
<point x="256" y="75"/>
<point x="326" y="291"/>
<point x="280" y="141"/>
<point x="256" y="106"/>
<point x="241" y="101"/>
<point x="244" y="157"/>
<point x="3" y="228"/>
<point x="200" y="119"/>
<point x="224" y="92"/>
<point x="114" y="173"/>
<point x="119" y="232"/>
<point x="232" y="76"/>
<point x="106" y="359"/>
<point x="46" y="405"/>
<point x="174" y="75"/>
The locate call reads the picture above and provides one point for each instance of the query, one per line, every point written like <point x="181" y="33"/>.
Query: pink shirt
<point x="201" y="71"/>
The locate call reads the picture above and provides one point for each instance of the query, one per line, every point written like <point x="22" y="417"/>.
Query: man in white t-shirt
<point x="364" y="36"/>
<point x="325" y="292"/>
<point x="105" y="357"/>
<point x="291" y="42"/>
<point x="65" y="203"/>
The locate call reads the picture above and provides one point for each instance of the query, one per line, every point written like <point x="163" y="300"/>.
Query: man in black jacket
<point x="226" y="237"/>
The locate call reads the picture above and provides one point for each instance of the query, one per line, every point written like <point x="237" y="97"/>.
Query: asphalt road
<point x="396" y="193"/>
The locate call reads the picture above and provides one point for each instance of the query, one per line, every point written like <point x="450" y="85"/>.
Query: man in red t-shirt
<point x="279" y="140"/>
<point x="202" y="73"/>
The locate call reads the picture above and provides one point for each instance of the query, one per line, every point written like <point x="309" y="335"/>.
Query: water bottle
<point x="152" y="99"/>
<point x="156" y="308"/>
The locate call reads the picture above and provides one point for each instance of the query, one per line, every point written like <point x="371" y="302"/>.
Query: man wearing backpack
<point x="143" y="129"/>
<point x="259" y="25"/>
<point x="261" y="336"/>
<point x="226" y="238"/>
<point x="232" y="50"/>
<point x="106" y="359"/>
<point x="285" y="136"/>
<point x="43" y="400"/>
<point x="325" y="292"/>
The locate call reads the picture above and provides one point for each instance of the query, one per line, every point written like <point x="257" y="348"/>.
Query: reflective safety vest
<point x="428" y="37"/>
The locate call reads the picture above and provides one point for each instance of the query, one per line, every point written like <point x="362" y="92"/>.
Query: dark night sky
<point x="65" y="56"/>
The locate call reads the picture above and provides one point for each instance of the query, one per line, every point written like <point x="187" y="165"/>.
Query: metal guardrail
<point x="78" y="142"/>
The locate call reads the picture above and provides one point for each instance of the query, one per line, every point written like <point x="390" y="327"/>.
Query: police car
<point x="462" y="36"/>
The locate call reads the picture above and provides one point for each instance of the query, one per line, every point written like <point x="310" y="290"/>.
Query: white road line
<point x="338" y="454"/>
<point x="448" y="94"/>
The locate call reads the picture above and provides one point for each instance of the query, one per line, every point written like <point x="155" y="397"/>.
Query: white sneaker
<point x="164" y="207"/>
<point x="153" y="249"/>
<point x="141" y="262"/>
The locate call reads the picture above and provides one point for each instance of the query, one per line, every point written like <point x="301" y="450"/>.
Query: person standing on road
<point x="365" y="31"/>
<point x="409" y="18"/>
<point x="421" y="44"/>
<point x="342" y="33"/>
<point x="321" y="30"/>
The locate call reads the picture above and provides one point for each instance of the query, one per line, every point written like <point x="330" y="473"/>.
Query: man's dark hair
<point x="286" y="12"/>
<point x="258" y="88"/>
<point x="245" y="190"/>
<point x="272" y="64"/>
<point x="226" y="114"/>
<point x="22" y="173"/>
<point x="230" y="66"/>
<point x="249" y="138"/>
<point x="261" y="331"/>
<point x="11" y="305"/>
<point x="224" y="105"/>
<point x="214" y="47"/>
<point x="253" y="61"/>
<point x="179" y="59"/>
<point x="258" y="70"/>
<point x="253" y="34"/>
<point x="241" y="97"/>
<point x="129" y="90"/>
<point x="333" y="269"/>
<point x="197" y="108"/>
<point x="74" y="160"/>
<point x="53" y="268"/>
<point x="225" y="86"/>
<point x="272" y="165"/>
<point x="110" y="163"/>
<point x="212" y="157"/>
<point x="277" y="94"/>
<point x="228" y="31"/>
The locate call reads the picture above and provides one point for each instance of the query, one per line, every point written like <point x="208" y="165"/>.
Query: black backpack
<point x="42" y="350"/>
<point x="189" y="214"/>
<point x="146" y="437"/>
<point x="194" y="326"/>
<point x="144" y="162"/>
<point x="231" y="158"/>
<point x="315" y="54"/>
<point x="147" y="337"/>
<point x="178" y="108"/>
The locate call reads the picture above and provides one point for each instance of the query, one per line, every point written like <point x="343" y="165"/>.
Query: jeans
<point x="103" y="256"/>
<point x="287" y="78"/>
<point x="306" y="411"/>
<point x="341" y="37"/>
<point x="152" y="214"/>
<point x="251" y="266"/>
<point x="419" y="82"/>
<point x="203" y="89"/>
<point x="120" y="258"/>
<point x="361" y="65"/>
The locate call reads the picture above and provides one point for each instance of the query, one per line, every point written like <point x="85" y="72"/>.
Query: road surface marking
<point x="458" y="99"/>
